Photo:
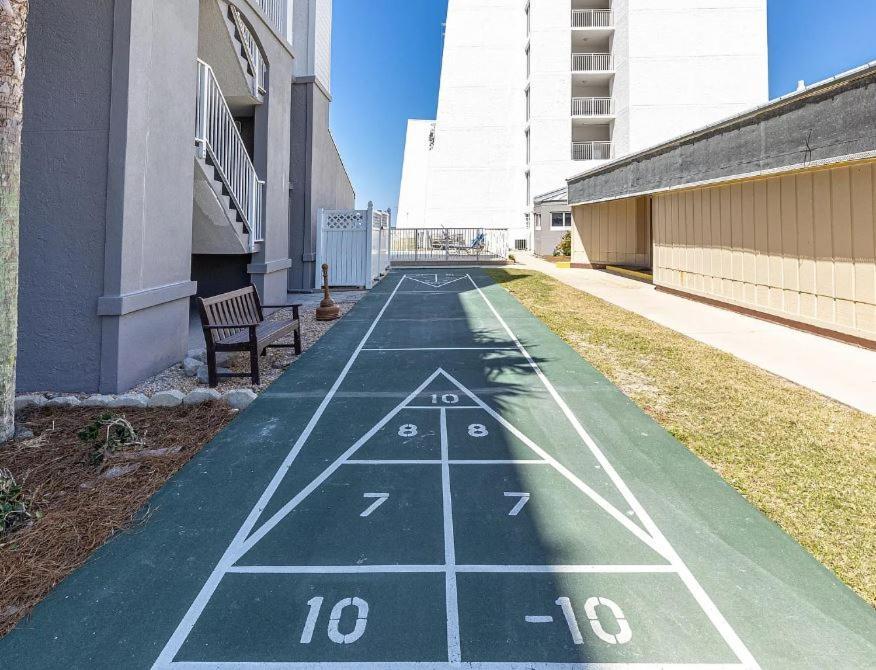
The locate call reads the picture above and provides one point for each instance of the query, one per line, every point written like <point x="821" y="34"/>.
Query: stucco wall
<point x="799" y="246"/>
<point x="612" y="233"/>
<point x="319" y="179"/>
<point x="63" y="193"/>
<point x="415" y="170"/>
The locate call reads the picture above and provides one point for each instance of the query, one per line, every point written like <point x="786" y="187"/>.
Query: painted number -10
<point x="624" y="632"/>
<point x="334" y="632"/>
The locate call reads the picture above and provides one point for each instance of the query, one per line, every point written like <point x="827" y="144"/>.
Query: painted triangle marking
<point x="284" y="511"/>
<point x="437" y="283"/>
<point x="606" y="506"/>
<point x="616" y="514"/>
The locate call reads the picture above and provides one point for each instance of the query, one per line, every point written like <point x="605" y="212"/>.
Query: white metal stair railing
<point x="591" y="151"/>
<point x="252" y="53"/>
<point x="218" y="139"/>
<point x="591" y="106"/>
<point x="591" y="18"/>
<point x="592" y="62"/>
<point x="277" y="14"/>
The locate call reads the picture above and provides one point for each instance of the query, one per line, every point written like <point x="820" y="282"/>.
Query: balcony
<point x="592" y="18"/>
<point x="599" y="108"/>
<point x="277" y="13"/>
<point x="593" y="62"/>
<point x="591" y="151"/>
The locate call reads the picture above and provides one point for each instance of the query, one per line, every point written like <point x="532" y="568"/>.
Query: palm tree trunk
<point x="13" y="41"/>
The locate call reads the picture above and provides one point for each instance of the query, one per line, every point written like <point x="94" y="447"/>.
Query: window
<point x="528" y="189"/>
<point x="526" y="221"/>
<point x="527" y="103"/>
<point x="538" y="221"/>
<point x="528" y="19"/>
<point x="561" y="219"/>
<point x="528" y="62"/>
<point x="528" y="148"/>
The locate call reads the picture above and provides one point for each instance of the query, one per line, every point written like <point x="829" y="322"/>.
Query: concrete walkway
<point x="840" y="371"/>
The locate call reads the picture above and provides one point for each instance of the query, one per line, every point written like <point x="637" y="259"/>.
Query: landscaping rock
<point x="191" y="365"/>
<point x="167" y="399"/>
<point x="117" y="471"/>
<point x="239" y="398"/>
<point x="64" y="401"/>
<point x="23" y="433"/>
<point x="203" y="375"/>
<point x="198" y="354"/>
<point x="98" y="400"/>
<point x="26" y="401"/>
<point x="280" y="365"/>
<point x="130" y="400"/>
<point x="199" y="396"/>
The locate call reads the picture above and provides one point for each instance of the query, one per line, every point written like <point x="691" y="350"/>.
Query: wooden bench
<point x="234" y="322"/>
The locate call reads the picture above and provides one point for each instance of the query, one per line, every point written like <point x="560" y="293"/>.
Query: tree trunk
<point x="13" y="41"/>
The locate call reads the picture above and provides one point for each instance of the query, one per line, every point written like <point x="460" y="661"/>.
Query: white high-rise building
<point x="535" y="92"/>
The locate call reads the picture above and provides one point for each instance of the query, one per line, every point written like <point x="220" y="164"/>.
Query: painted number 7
<point x="380" y="498"/>
<point x="524" y="498"/>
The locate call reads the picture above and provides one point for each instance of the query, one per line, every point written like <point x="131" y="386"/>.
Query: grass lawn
<point x="807" y="462"/>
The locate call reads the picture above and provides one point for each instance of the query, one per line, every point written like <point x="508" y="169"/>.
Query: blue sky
<point x="387" y="63"/>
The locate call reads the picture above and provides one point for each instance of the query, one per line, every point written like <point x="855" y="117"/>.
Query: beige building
<point x="772" y="212"/>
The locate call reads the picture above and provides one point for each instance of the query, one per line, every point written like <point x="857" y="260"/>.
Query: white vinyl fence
<point x="355" y="244"/>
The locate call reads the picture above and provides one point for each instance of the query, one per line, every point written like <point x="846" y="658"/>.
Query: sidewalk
<point x="840" y="371"/>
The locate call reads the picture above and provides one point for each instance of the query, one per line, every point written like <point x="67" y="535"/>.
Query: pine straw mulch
<point x="76" y="506"/>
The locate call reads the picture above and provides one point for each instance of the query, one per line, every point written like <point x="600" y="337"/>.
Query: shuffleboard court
<point x="463" y="492"/>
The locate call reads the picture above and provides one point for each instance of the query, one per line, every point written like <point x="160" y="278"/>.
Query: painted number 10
<point x="334" y="633"/>
<point x="624" y="634"/>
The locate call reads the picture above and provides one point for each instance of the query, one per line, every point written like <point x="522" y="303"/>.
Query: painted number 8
<point x="407" y="430"/>
<point x="478" y="430"/>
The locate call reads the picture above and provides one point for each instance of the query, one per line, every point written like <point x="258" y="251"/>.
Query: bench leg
<point x="297" y="337"/>
<point x="212" y="377"/>
<point x="254" y="365"/>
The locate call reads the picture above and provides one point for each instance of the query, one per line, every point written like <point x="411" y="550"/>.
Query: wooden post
<point x="328" y="310"/>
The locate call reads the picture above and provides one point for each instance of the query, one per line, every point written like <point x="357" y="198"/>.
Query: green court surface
<point x="442" y="483"/>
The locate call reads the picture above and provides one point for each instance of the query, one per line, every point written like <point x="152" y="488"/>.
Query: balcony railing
<point x="277" y="13"/>
<point x="591" y="18"/>
<point x="592" y="62"/>
<point x="591" y="151"/>
<point x="219" y="140"/>
<point x="592" y="107"/>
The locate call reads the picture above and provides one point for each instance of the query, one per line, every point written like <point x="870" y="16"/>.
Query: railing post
<point x="369" y="237"/>
<point x="201" y="129"/>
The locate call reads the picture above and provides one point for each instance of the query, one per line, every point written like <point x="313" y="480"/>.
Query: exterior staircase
<point x="228" y="209"/>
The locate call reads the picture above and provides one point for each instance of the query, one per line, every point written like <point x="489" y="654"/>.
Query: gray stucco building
<point x="171" y="148"/>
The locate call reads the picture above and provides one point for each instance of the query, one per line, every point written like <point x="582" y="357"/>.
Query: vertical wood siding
<point x="612" y="233"/>
<point x="800" y="246"/>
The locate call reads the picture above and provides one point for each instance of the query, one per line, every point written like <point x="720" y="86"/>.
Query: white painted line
<point x="434" y="407"/>
<point x="397" y="461"/>
<point x="538" y="619"/>
<point x="571" y="569"/>
<point x="414" y="461"/>
<point x="430" y="665"/>
<point x="485" y="569"/>
<point x="454" y="649"/>
<point x="332" y="569"/>
<point x="445" y="349"/>
<point x="231" y="553"/>
<point x="705" y="602"/>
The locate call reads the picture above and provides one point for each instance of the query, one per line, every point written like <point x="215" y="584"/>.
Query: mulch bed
<point x="76" y="506"/>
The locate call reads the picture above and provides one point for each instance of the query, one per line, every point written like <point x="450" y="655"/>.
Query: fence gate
<point x="355" y="244"/>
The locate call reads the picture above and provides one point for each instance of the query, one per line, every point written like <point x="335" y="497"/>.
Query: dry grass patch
<point x="807" y="462"/>
<point x="76" y="502"/>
